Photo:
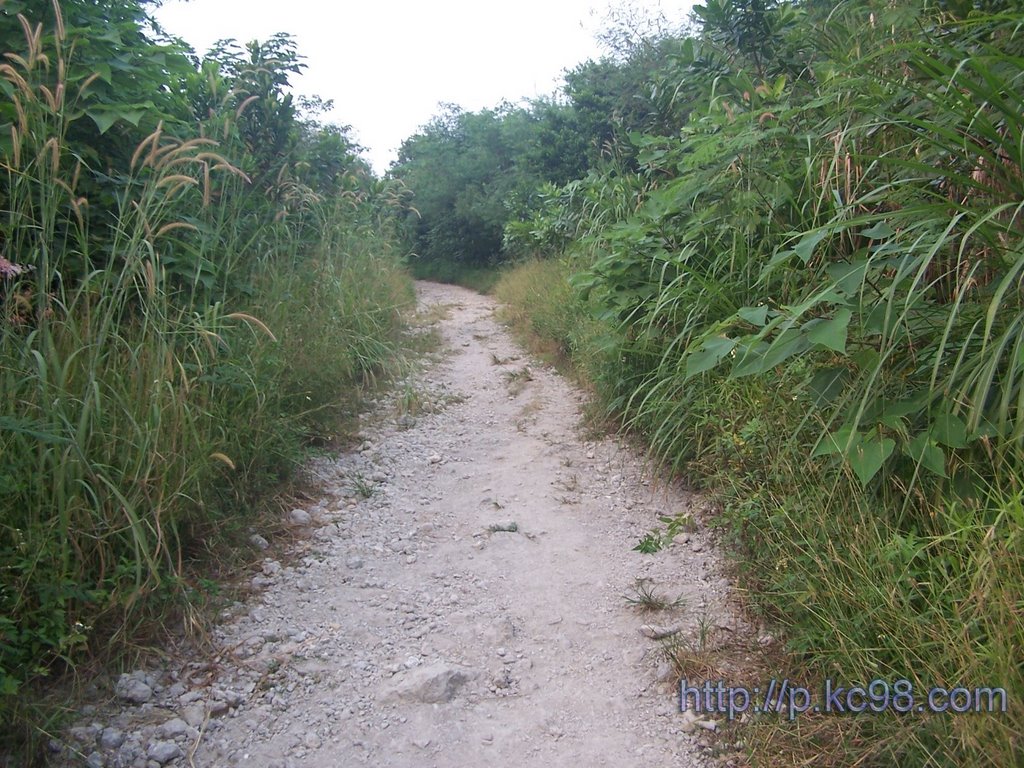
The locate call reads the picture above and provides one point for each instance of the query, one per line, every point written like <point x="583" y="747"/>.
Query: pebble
<point x="194" y="714"/>
<point x="163" y="752"/>
<point x="132" y="689"/>
<point x="111" y="738"/>
<point x="300" y="517"/>
<point x="312" y="741"/>
<point x="174" y="728"/>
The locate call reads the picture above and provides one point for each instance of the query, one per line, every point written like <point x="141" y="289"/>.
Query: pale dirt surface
<point x="408" y="632"/>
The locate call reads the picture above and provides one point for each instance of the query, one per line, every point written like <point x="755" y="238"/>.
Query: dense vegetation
<point x="195" y="279"/>
<point x="784" y="246"/>
<point x="793" y="264"/>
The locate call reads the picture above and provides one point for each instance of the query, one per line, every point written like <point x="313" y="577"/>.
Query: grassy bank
<point x="807" y="301"/>
<point x="856" y="590"/>
<point x="182" y="318"/>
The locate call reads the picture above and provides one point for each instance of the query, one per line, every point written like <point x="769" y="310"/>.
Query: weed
<point x="518" y="379"/>
<point x="571" y="483"/>
<point x="409" y="401"/>
<point x="657" y="540"/>
<point x="360" y="486"/>
<point x="646" y="599"/>
<point x="650" y="543"/>
<point x="179" y="332"/>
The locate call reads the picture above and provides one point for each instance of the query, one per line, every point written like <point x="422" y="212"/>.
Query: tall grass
<point x="815" y="307"/>
<point x="142" y="409"/>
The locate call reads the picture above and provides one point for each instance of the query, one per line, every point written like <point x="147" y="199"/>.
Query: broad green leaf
<point x="831" y="332"/>
<point x="848" y="277"/>
<point x="925" y="452"/>
<point x="880" y="231"/>
<point x="867" y="456"/>
<point x="949" y="429"/>
<point x="759" y="358"/>
<point x="805" y="248"/>
<point x="710" y="354"/>
<point x="105" y="118"/>
<point x="878" y="319"/>
<point x="840" y="441"/>
<point x="865" y="359"/>
<point x="753" y="315"/>
<point x="826" y="384"/>
<point x="103" y="70"/>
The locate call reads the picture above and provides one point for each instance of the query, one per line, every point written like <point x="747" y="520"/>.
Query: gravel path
<point x="459" y="600"/>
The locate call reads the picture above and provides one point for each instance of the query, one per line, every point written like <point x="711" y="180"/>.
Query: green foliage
<point x="463" y="176"/>
<point x="808" y="275"/>
<point x="481" y="182"/>
<point x="173" y="329"/>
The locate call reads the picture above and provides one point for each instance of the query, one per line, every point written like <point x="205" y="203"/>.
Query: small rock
<point x="163" y="751"/>
<point x="175" y="690"/>
<point x="378" y="477"/>
<point x="692" y="722"/>
<point x="354" y="563"/>
<point x="172" y="729"/>
<point x="435" y="458"/>
<point x="131" y="688"/>
<point x="231" y="697"/>
<point x="658" y="633"/>
<point x="218" y="707"/>
<point x="311" y="740"/>
<point x="271" y="567"/>
<point x="259" y="542"/>
<point x="84" y="734"/>
<point x="111" y="738"/>
<point x="300" y="517"/>
<point x="95" y="760"/>
<point x="510" y="527"/>
<point x="194" y="714"/>
<point x="431" y="684"/>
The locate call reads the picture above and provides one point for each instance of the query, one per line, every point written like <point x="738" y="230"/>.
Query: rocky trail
<point x="458" y="596"/>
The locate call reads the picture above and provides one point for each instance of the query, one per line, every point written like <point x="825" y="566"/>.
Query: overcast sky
<point x="387" y="64"/>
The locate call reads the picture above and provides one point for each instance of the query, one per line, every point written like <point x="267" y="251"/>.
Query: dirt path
<point x="461" y="599"/>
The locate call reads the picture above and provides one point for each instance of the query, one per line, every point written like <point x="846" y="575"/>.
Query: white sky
<point x="387" y="64"/>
